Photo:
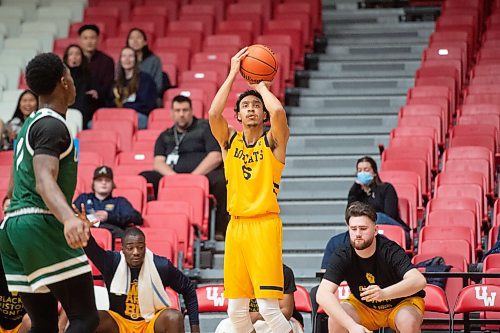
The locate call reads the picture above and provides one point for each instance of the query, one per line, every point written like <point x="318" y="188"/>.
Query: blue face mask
<point x="364" y="177"/>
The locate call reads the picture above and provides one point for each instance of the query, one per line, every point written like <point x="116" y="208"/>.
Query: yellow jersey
<point x="253" y="176"/>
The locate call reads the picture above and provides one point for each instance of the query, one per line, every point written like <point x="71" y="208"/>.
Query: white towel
<point x="152" y="295"/>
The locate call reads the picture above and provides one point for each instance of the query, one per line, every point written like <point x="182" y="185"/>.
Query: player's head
<point x="250" y="109"/>
<point x="367" y="171"/>
<point x="361" y="220"/>
<point x="47" y="75"/>
<point x="134" y="247"/>
<point x="89" y="37"/>
<point x="102" y="183"/>
<point x="182" y="111"/>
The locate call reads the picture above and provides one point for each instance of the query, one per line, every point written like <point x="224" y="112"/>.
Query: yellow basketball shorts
<point x="253" y="264"/>
<point x="130" y="326"/>
<point x="374" y="319"/>
<point x="14" y="330"/>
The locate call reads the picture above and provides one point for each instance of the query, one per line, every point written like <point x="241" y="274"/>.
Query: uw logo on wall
<point x="214" y="296"/>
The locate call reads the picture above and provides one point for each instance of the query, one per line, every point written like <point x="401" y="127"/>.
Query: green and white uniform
<point x="32" y="243"/>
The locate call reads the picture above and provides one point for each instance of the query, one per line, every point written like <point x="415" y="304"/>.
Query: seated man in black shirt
<point x="386" y="289"/>
<point x="113" y="213"/>
<point x="136" y="280"/>
<point x="190" y="147"/>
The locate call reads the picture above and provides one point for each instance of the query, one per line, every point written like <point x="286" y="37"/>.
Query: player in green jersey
<point x="41" y="239"/>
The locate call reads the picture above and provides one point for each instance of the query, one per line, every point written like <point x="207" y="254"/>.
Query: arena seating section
<point x="441" y="158"/>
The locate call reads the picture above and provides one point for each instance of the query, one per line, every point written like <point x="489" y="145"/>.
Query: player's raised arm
<point x="218" y="124"/>
<point x="279" y="132"/>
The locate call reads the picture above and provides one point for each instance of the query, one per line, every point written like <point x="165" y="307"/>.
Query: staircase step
<point x="373" y="52"/>
<point x="335" y="145"/>
<point x="363" y="69"/>
<point x="319" y="188"/>
<point x="342" y="124"/>
<point x="307" y="212"/>
<point x="358" y="86"/>
<point x="391" y="102"/>
<point x="344" y="110"/>
<point x="321" y="166"/>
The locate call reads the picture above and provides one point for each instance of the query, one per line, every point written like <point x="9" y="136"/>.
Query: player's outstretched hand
<point x="372" y="293"/>
<point x="256" y="86"/>
<point x="236" y="60"/>
<point x="76" y="232"/>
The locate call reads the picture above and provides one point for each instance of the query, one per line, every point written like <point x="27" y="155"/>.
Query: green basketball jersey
<point x="25" y="194"/>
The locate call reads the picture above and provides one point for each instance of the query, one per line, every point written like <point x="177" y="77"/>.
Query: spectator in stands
<point x="189" y="147"/>
<point x="113" y="213"/>
<point x="386" y="289"/>
<point x="136" y="280"/>
<point x="102" y="66"/>
<point x="370" y="189"/>
<point x="86" y="93"/>
<point x="134" y="89"/>
<point x="26" y="104"/>
<point x="148" y="62"/>
<point x="287" y="306"/>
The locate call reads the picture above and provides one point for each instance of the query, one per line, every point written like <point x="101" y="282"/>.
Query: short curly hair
<point x="43" y="73"/>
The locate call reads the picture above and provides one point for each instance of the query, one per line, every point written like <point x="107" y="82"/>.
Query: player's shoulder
<point x="343" y="252"/>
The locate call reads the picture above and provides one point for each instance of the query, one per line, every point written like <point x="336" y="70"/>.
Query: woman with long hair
<point x="149" y="62"/>
<point x="86" y="92"/>
<point x="134" y="89"/>
<point x="26" y="104"/>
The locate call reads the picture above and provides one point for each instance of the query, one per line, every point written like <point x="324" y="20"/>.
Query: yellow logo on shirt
<point x="370" y="278"/>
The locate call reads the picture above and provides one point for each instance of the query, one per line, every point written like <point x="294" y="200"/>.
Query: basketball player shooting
<point x="253" y="162"/>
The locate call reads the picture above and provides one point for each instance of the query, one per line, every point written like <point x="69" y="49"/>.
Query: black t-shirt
<point x="386" y="267"/>
<point x="194" y="145"/>
<point x="49" y="136"/>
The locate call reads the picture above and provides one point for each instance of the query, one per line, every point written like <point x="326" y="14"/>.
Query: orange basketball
<point x="259" y="65"/>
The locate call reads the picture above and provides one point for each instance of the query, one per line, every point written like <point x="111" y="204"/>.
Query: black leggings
<point x="77" y="298"/>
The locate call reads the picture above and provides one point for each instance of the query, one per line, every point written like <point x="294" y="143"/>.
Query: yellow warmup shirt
<point x="253" y="176"/>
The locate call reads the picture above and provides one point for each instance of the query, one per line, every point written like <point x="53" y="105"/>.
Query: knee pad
<point x="269" y="308"/>
<point x="237" y="310"/>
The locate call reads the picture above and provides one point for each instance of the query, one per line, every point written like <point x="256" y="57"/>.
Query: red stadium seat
<point x="172" y="7"/>
<point x="165" y="243"/>
<point x="302" y="299"/>
<point x="106" y="149"/>
<point x="6" y="157"/>
<point x="243" y="28"/>
<point x="479" y="109"/>
<point x="455" y="204"/>
<point x="178" y="223"/>
<point x="459" y="246"/>
<point x="174" y="299"/>
<point x="417" y="166"/>
<point x="492" y="237"/>
<point x="249" y="12"/>
<point x="133" y="195"/>
<point x="435" y="301"/>
<point x="394" y="233"/>
<point x="169" y="207"/>
<point x="403" y="177"/>
<point x="443" y="232"/>
<point x="211" y="298"/>
<point x="422" y="148"/>
<point x="116" y="114"/>
<point x="124" y="128"/>
<point x="473" y="191"/>
<point x="475" y="298"/>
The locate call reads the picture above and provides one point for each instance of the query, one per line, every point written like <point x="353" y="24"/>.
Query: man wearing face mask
<point x="370" y="189"/>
